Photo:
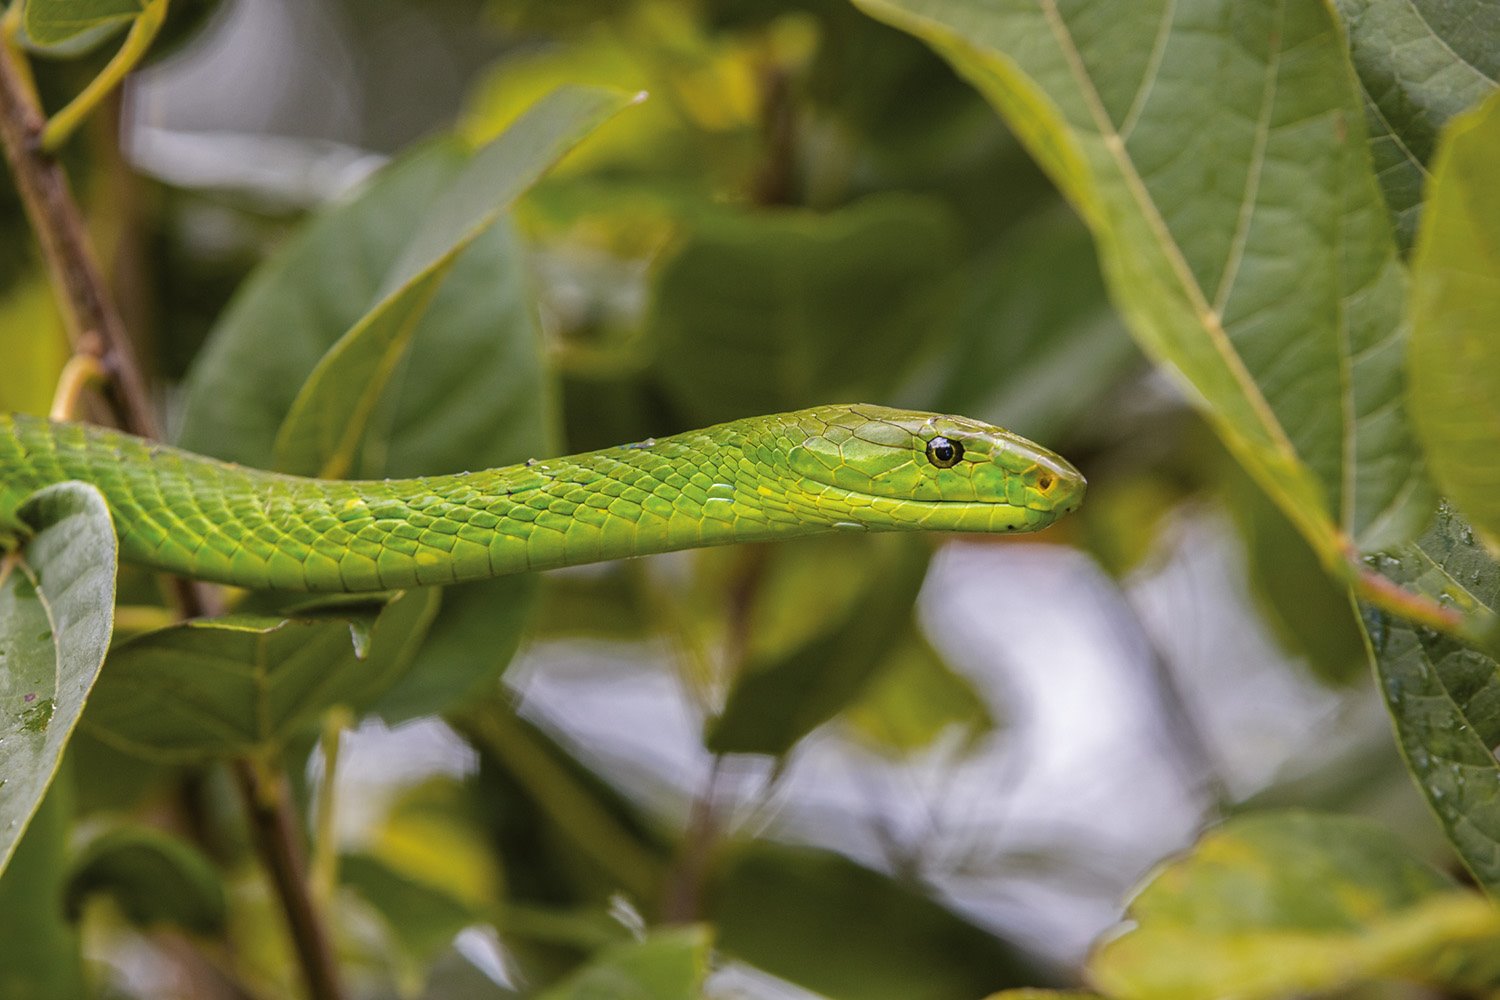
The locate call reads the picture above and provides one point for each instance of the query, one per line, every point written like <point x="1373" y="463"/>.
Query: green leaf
<point x="1455" y="359"/>
<point x="817" y="306"/>
<point x="56" y="614"/>
<point x="245" y="684"/>
<point x="1279" y="904"/>
<point x="50" y="22"/>
<point x="152" y="877"/>
<point x="1443" y="694"/>
<point x="664" y="965"/>
<point x="1420" y="62"/>
<point x="32" y="923"/>
<point x="423" y="919"/>
<point x="1216" y="149"/>
<point x="327" y="422"/>
<point x="829" y="924"/>
<point x="779" y="698"/>
<point x="562" y="825"/>
<point x="916" y="698"/>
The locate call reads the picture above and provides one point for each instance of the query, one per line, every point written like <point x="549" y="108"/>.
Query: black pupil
<point x="943" y="452"/>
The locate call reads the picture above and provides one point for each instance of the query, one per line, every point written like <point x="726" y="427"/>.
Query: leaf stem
<point x="81" y="372"/>
<point x="93" y="322"/>
<point x="143" y="31"/>
<point x="325" y="861"/>
<point x="273" y="822"/>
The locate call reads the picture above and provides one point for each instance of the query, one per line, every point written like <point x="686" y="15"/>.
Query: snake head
<point x="885" y="468"/>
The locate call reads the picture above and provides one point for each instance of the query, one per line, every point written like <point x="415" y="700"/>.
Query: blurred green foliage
<point x="1180" y="254"/>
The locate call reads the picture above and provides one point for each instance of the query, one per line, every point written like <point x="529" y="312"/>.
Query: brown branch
<point x="93" y="322"/>
<point x="272" y="820"/>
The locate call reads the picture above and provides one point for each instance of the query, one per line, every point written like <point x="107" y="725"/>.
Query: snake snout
<point x="1055" y="484"/>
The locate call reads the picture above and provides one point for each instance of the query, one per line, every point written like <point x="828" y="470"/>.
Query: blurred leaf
<point x="1280" y="904"/>
<point x="1044" y="995"/>
<point x="56" y="613"/>
<point x="50" y="22"/>
<point x="699" y="125"/>
<point x="432" y="833"/>
<point x="327" y="422"/>
<point x="1455" y="359"/>
<point x="153" y="878"/>
<point x="423" y="920"/>
<point x="1312" y="616"/>
<point x="1420" y="62"/>
<point x="1123" y="519"/>
<point x="565" y="830"/>
<point x="1239" y="225"/>
<point x="777" y="700"/>
<point x="1037" y="340"/>
<point x="245" y="684"/>
<point x="35" y="346"/>
<point x="824" y="922"/>
<point x="821" y="307"/>
<point x="1443" y="695"/>
<point x="915" y="699"/>
<point x="42" y="960"/>
<point x="664" y="965"/>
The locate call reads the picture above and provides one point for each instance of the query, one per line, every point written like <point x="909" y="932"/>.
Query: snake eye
<point x="944" y="453"/>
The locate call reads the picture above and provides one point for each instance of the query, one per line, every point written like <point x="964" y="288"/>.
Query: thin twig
<point x="143" y="31"/>
<point x="94" y="324"/>
<point x="272" y="821"/>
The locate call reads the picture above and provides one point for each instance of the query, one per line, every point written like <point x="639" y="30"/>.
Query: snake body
<point x="778" y="476"/>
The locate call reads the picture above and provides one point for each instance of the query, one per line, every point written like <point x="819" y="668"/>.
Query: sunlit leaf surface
<point x="1455" y="356"/>
<point x="1282" y="904"/>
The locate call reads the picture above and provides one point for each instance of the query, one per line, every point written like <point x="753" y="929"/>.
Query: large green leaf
<point x="1455" y="355"/>
<point x="1420" y="62"/>
<point x="822" y="921"/>
<point x="664" y="965"/>
<point x="820" y="307"/>
<point x="153" y="878"/>
<point x="1216" y="148"/>
<point x="1443" y="694"/>
<point x="56" y="613"/>
<point x="1288" y="904"/>
<point x="246" y="684"/>
<point x="327" y="423"/>
<point x="50" y="22"/>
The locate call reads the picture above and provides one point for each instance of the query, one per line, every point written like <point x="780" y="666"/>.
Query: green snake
<point x="828" y="468"/>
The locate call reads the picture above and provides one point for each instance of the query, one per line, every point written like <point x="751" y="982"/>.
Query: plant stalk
<point x="94" y="324"/>
<point x="272" y="819"/>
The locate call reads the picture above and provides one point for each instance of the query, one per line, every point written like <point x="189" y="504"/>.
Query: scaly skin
<point x="828" y="468"/>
